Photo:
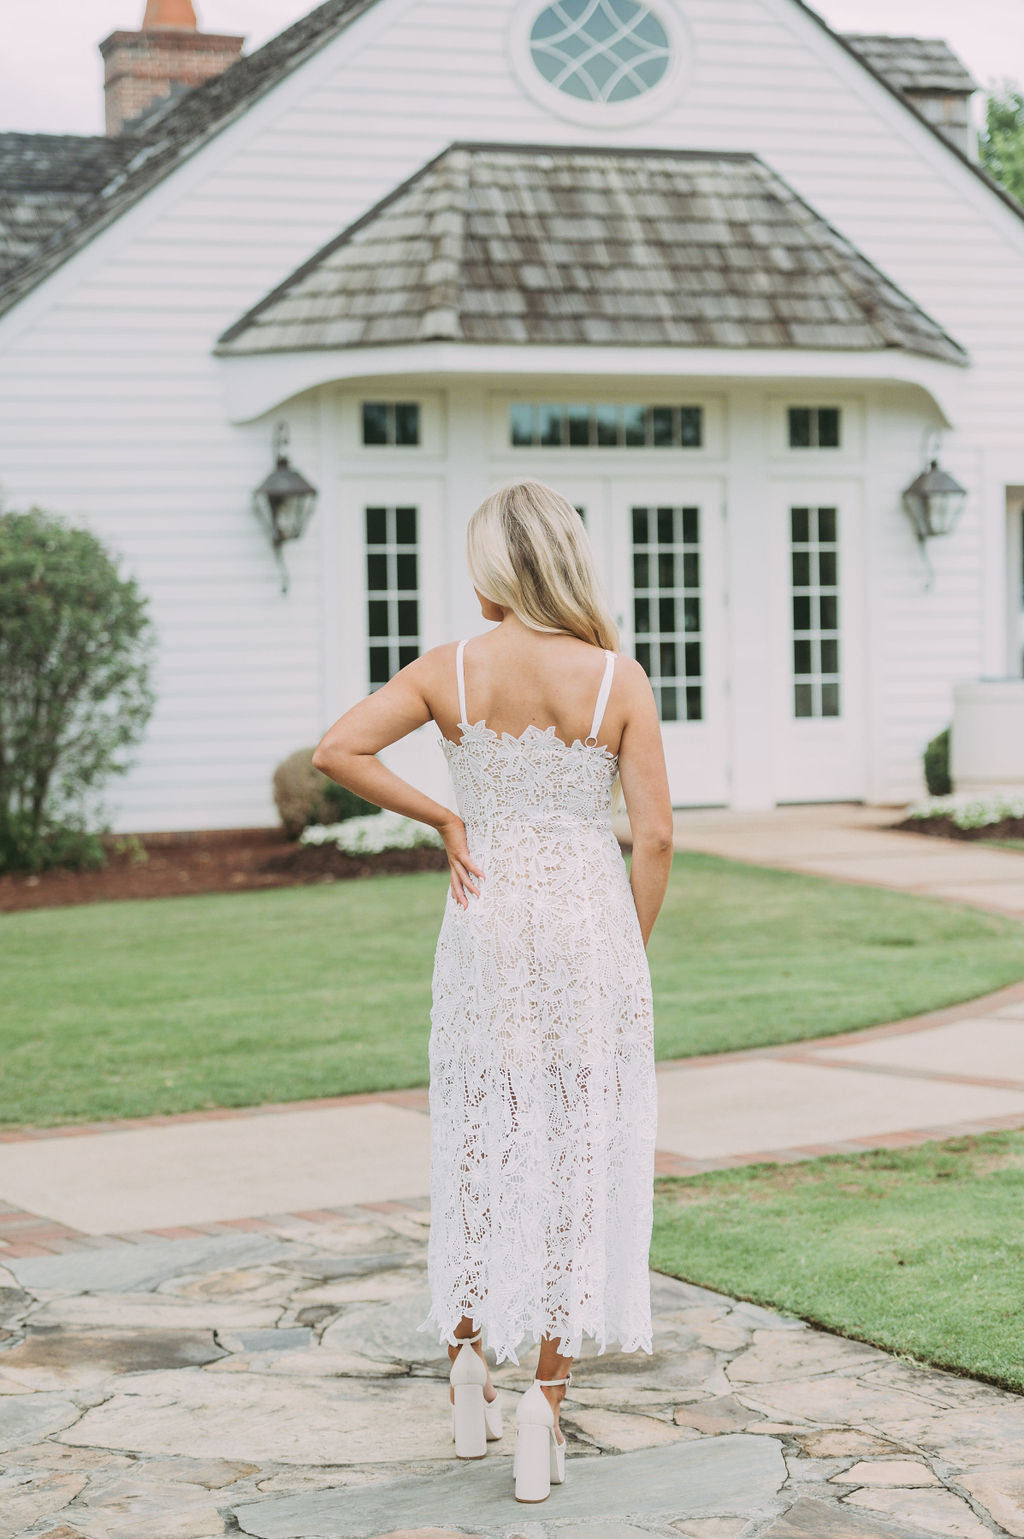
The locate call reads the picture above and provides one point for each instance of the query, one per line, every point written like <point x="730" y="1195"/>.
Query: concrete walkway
<point x="207" y="1322"/>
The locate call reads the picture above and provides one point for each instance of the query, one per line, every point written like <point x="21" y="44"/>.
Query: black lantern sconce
<point x="933" y="503"/>
<point x="284" y="503"/>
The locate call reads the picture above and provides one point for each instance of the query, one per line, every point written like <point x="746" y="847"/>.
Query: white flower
<point x="372" y="834"/>
<point x="972" y="809"/>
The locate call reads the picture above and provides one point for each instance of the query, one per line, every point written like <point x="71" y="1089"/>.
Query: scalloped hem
<point x="568" y="1346"/>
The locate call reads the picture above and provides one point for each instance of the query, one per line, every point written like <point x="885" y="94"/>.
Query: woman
<point x="542" y="1090"/>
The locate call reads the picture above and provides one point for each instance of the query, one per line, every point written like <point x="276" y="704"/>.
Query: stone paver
<point x="742" y="1424"/>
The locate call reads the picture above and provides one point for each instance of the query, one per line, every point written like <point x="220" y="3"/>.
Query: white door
<point x="662" y="545"/>
<point x="818" y="642"/>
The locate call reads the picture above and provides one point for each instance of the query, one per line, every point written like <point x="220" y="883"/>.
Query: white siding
<point x="111" y="406"/>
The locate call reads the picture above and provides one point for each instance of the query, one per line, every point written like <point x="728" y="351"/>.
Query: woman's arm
<point x="645" y="788"/>
<point x="347" y="753"/>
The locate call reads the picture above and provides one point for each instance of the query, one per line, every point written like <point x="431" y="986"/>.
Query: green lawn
<point x="125" y="1009"/>
<point x="920" y="1251"/>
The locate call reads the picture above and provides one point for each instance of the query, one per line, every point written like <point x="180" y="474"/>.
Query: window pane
<point x="641" y="571"/>
<point x="800" y="525"/>
<point x="607" y="419"/>
<point x="636" y="425"/>
<point x="827" y="568"/>
<point x="801" y="614"/>
<point x="669" y="703"/>
<point x="642" y="616"/>
<point x="550" y="424"/>
<point x="378" y="617"/>
<point x="803" y="700"/>
<point x="663" y="428"/>
<point x="692" y="427"/>
<point x="828" y="436"/>
<point x="405" y="526"/>
<point x="801" y="569"/>
<point x="692" y="650"/>
<point x="408" y="617"/>
<point x="406" y="578"/>
<point x="691" y="526"/>
<point x="802" y="657"/>
<point x="375" y="422"/>
<point x="829" y="655"/>
<point x="668" y="660"/>
<point x="666" y="614"/>
<point x="521" y="425"/>
<point x="407" y="655"/>
<point x="639" y="526"/>
<point x="830" y="699"/>
<point x="691" y="614"/>
<point x="666" y="569"/>
<point x="380" y="670"/>
<point x="691" y="569"/>
<point x="579" y="425"/>
<point x="827" y="526"/>
<point x="799" y="427"/>
<point x="407" y="422"/>
<point x="829" y="612"/>
<point x="643" y="656"/>
<point x="376" y="526"/>
<point x="666" y="526"/>
<point x="376" y="573"/>
<point x="694" y="703"/>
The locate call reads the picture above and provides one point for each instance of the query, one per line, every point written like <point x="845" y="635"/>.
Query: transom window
<point x="600" y="50"/>
<point x="610" y="426"/>
<point x="815" y="563"/>
<point x="667" y="608"/>
<point x="391" y="422"/>
<point x="392" y="587"/>
<point x="814" y="427"/>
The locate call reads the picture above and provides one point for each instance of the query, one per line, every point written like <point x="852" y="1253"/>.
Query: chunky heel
<point x="469" y="1421"/>
<point x="470" y="1426"/>
<point x="533" y="1463"/>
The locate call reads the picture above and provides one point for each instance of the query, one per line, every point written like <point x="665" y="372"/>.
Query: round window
<point x="600" y="50"/>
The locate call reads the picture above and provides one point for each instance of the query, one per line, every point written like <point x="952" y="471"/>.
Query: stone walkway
<point x="207" y="1322"/>
<point x="270" y="1380"/>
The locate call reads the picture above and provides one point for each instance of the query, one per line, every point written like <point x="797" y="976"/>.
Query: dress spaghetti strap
<point x="460" y="675"/>
<point x="602" y="699"/>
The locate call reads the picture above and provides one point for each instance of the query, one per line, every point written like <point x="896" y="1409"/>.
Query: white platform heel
<point x="475" y="1421"/>
<point x="539" y="1461"/>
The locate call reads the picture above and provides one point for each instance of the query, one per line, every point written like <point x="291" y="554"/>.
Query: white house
<point x="726" y="278"/>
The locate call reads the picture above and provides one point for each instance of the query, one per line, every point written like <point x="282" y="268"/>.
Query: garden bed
<point x="945" y="828"/>
<point x="236" y="860"/>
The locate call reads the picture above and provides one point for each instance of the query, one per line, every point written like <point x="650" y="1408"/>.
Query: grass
<point x="919" y="1251"/>
<point x="127" y="1009"/>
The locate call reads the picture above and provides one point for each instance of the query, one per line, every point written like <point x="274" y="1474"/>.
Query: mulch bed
<point x="944" y="828"/>
<point x="236" y="860"/>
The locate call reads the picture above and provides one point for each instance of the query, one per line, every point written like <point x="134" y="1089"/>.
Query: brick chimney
<point x="168" y="56"/>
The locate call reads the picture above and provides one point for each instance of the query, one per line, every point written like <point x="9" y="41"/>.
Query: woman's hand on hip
<point x="462" y="867"/>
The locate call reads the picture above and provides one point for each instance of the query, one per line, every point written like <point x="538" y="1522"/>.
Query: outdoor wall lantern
<point x="284" y="503"/>
<point x="933" y="503"/>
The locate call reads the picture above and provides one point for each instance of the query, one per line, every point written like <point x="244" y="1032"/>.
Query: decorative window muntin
<point x="601" y="51"/>
<point x="606" y="425"/>
<point x="392" y="590"/>
<point x="814" y="558"/>
<point x="815" y="427"/>
<point x="667" y="609"/>
<point x="391" y="424"/>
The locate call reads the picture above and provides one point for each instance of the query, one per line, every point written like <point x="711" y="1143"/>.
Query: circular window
<point x="600" y="50"/>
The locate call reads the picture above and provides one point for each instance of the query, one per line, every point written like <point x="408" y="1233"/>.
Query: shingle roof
<point x="923" y="64"/>
<point x="169" y="137"/>
<point x="494" y="243"/>
<point x="45" y="179"/>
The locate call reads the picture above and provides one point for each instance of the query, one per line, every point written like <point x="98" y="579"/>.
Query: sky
<point x="51" y="74"/>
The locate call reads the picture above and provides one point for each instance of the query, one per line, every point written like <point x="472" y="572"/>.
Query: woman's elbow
<point x="657" y="840"/>
<point x="322" y="757"/>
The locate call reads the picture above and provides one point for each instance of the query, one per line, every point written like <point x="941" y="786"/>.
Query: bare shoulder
<point x="432" y="665"/>
<point x="631" y="680"/>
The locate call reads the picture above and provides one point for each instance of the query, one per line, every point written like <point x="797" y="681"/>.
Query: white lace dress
<point x="542" y="1089"/>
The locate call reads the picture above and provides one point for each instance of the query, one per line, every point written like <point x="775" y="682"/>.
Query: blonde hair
<point x="528" y="551"/>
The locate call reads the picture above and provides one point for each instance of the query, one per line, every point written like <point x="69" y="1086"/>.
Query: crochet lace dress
<point x="542" y="1089"/>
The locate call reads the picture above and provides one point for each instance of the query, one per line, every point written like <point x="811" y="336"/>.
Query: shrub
<point x="373" y="835"/>
<point x="75" y="656"/>
<point x="973" y="809"/>
<point x="303" y="796"/>
<point x="936" y="765"/>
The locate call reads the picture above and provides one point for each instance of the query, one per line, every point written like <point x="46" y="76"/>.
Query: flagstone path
<point x="208" y="1322"/>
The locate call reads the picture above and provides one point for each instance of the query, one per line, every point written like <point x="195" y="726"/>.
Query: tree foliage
<point x="75" y="659"/>
<point x="1002" y="142"/>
